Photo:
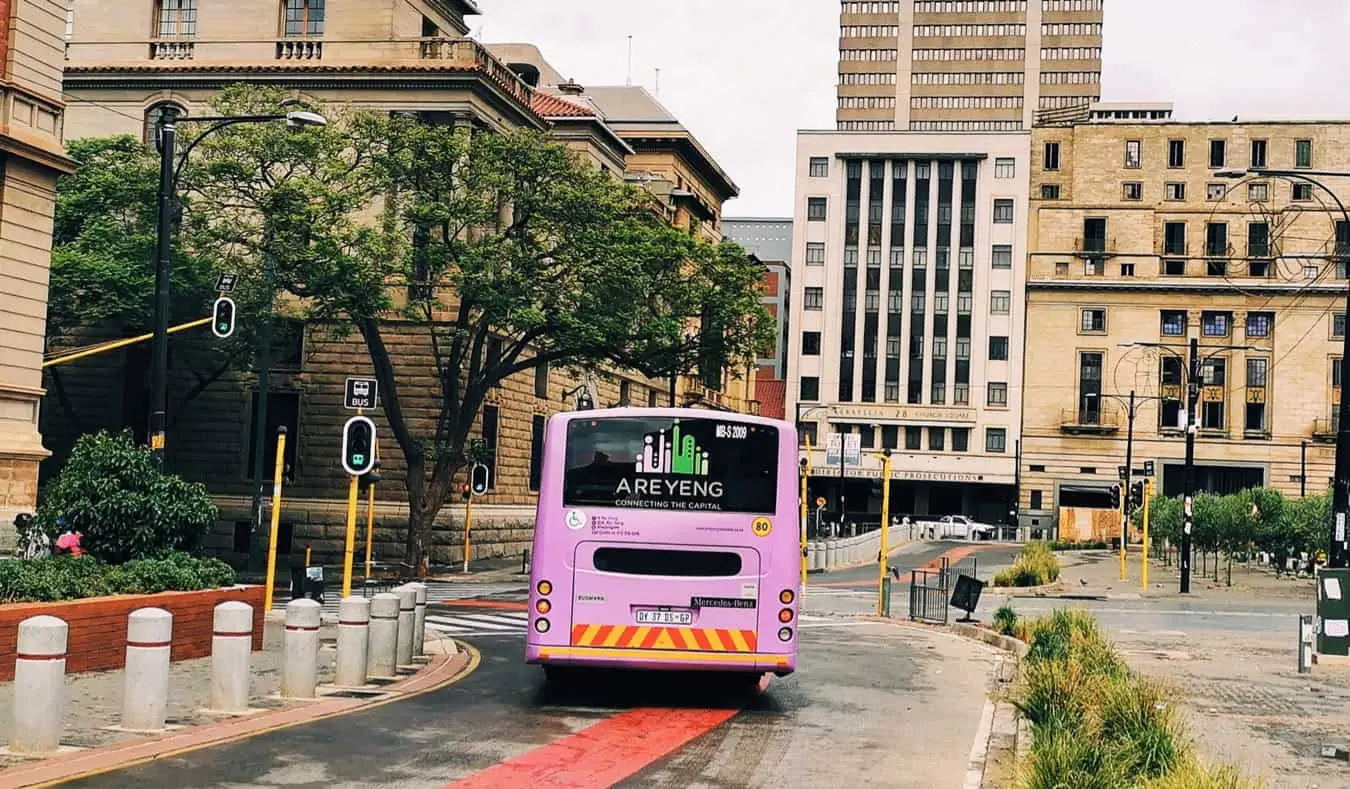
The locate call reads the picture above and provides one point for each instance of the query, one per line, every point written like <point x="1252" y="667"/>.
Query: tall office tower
<point x="965" y="65"/>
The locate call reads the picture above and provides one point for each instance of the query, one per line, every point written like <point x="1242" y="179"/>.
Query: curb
<point x="445" y="669"/>
<point x="1005" y="643"/>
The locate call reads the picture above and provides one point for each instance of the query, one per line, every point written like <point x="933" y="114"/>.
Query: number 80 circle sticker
<point x="761" y="527"/>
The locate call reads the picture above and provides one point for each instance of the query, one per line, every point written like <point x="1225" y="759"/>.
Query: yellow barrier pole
<point x="308" y="549"/>
<point x="806" y="473"/>
<point x="882" y="608"/>
<point x="350" y="547"/>
<point x="1148" y="488"/>
<point x="370" y="517"/>
<point x="276" y="519"/>
<point x="114" y="345"/>
<point x="1124" y="502"/>
<point x="468" y="524"/>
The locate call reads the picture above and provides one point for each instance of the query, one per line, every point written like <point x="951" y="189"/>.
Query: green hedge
<point x="1078" y="545"/>
<point x="1035" y="566"/>
<point x="1095" y="723"/>
<point x="67" y="578"/>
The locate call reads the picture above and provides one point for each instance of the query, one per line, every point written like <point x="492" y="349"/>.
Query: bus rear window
<point x="664" y="463"/>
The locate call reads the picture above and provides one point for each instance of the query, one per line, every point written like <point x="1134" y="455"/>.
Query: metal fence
<point x="930" y="589"/>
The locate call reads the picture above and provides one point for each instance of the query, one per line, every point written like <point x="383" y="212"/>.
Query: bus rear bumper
<point x="660" y="659"/>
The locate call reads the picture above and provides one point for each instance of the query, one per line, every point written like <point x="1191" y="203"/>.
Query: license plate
<point x="664" y="617"/>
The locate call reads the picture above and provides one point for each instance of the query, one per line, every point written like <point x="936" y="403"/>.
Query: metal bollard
<point x="382" y="658"/>
<point x="300" y="657"/>
<point x="353" y="641"/>
<point x="419" y="643"/>
<point x="39" y="685"/>
<point x="1306" y="639"/>
<point x="231" y="653"/>
<point x="407" y="617"/>
<point x="145" y="699"/>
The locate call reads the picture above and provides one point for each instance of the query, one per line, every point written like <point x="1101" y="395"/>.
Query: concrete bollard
<point x="300" y="656"/>
<point x="39" y="685"/>
<point x="231" y="653"/>
<point x="419" y="645"/>
<point x="145" y="695"/>
<point x="407" y="617"/>
<point x="353" y="641"/>
<point x="831" y="554"/>
<point x="382" y="658"/>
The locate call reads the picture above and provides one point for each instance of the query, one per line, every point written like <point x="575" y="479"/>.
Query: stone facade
<point x="31" y="157"/>
<point x="1135" y="240"/>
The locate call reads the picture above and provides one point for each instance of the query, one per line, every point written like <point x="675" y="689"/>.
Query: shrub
<point x="1005" y="621"/>
<point x="1191" y="774"/>
<point x="112" y="492"/>
<point x="1076" y="545"/>
<point x="1035" y="566"/>
<point x="68" y="578"/>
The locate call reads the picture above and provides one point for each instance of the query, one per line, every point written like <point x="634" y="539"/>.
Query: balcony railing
<point x="299" y="49"/>
<point x="1094" y="247"/>
<point x="1325" y="428"/>
<point x="172" y="50"/>
<point x="469" y="52"/>
<point x="1088" y="421"/>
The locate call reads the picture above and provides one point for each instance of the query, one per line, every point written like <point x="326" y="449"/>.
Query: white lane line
<point x="461" y="624"/>
<point x="979" y="750"/>
<point x="517" y="620"/>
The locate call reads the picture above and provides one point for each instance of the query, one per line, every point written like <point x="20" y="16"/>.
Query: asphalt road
<point x="872" y="704"/>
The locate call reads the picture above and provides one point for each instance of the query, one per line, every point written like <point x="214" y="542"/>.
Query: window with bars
<point x="176" y="18"/>
<point x="304" y="17"/>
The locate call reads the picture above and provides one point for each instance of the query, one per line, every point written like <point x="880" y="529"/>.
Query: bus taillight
<point x="785" y="634"/>
<point x="785" y="615"/>
<point x="786" y="597"/>
<point x="542" y="606"/>
<point x="545" y="588"/>
<point x="541" y="625"/>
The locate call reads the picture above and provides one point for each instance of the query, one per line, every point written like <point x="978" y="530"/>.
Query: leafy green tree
<point x="499" y="252"/>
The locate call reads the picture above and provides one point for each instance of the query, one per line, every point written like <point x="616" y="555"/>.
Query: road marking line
<point x="485" y="627"/>
<point x="979" y="750"/>
<point x="505" y="605"/>
<point x="602" y="754"/>
<point x="494" y="619"/>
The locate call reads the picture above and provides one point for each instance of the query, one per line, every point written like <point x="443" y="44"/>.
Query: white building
<point x="908" y="255"/>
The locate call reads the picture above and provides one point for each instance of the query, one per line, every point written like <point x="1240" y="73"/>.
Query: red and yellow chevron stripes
<point x="694" y="639"/>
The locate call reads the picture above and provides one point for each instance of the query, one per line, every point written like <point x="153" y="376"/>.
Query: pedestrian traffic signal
<point x="222" y="317"/>
<point x="371" y="477"/>
<point x="1115" y="497"/>
<point x="464" y="491"/>
<point x="1137" y="495"/>
<point x="478" y="479"/>
<point x="358" y="445"/>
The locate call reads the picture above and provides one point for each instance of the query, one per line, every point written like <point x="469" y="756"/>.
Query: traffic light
<point x="478" y="479"/>
<point x="222" y="317"/>
<point x="358" y="445"/>
<point x="1137" y="495"/>
<point x="464" y="491"/>
<point x="371" y="477"/>
<point x="1115" y="497"/>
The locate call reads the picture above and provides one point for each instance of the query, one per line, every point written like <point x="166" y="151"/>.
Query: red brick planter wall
<point x="97" y="640"/>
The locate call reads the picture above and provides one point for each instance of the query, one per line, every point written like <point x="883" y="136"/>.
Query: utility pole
<point x="166" y="129"/>
<point x="1188" y="491"/>
<point x="1303" y="468"/>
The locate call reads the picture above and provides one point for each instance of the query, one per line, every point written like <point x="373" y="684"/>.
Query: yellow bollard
<point x="882" y="608"/>
<point x="1124" y="502"/>
<point x="350" y="547"/>
<point x="468" y="524"/>
<point x="806" y="473"/>
<point x="270" y="585"/>
<point x="1148" y="492"/>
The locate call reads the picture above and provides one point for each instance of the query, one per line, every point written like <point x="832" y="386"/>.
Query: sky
<point x="745" y="75"/>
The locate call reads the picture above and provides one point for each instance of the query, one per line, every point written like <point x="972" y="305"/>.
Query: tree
<point x="503" y="252"/>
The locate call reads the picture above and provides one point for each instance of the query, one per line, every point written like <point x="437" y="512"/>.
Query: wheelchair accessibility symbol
<point x="761" y="527"/>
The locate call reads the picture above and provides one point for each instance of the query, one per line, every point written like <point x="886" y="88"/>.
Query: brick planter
<point x="98" y="626"/>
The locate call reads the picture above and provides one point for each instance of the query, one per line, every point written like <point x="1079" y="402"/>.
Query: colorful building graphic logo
<point x="675" y="454"/>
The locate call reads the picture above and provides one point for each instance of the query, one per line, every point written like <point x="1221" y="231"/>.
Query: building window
<point x="1005" y="168"/>
<point x="1214" y="324"/>
<point x="1051" y="161"/>
<point x="820" y="167"/>
<point x="1174" y="268"/>
<point x="806" y="433"/>
<point x="1218" y="154"/>
<point x="1093" y="321"/>
<point x="995" y="439"/>
<point x="1175" y="190"/>
<point x="491" y="430"/>
<point x="651" y="398"/>
<point x="304" y="17"/>
<point x="1174" y="323"/>
<point x="1036" y="499"/>
<point x="960" y="394"/>
<point x="1000" y="302"/>
<point x="815" y="209"/>
<point x="1260" y="324"/>
<point x="1133" y="154"/>
<point x="815" y="253"/>
<point x="1215" y="191"/>
<point x="913" y="438"/>
<point x="937" y="439"/>
<point x="1258" y="153"/>
<point x="1302" y="193"/>
<point x="537" y="423"/>
<point x="1176" y="153"/>
<point x="998" y="349"/>
<point x="810" y="343"/>
<point x="1002" y="257"/>
<point x="625" y="393"/>
<point x="997" y="395"/>
<point x="176" y="18"/>
<point x="1049" y="191"/>
<point x="1003" y="212"/>
<point x="813" y="299"/>
<point x="960" y="439"/>
<point x="1174" y="238"/>
<point x="1338" y="325"/>
<point x="1310" y="271"/>
<point x="494" y="357"/>
<point x="1216" y="239"/>
<point x="810" y="389"/>
<point x="1257" y="192"/>
<point x="541" y="381"/>
<point x="283" y="410"/>
<point x="1132" y="190"/>
<point x="1303" y="153"/>
<point x="890" y="437"/>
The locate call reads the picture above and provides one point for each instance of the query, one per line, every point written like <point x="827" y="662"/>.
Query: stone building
<point x="31" y="157"/>
<point x="127" y="59"/>
<point x="1136" y="247"/>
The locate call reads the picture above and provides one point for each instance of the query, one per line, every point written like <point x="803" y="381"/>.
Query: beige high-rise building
<point x="965" y="65"/>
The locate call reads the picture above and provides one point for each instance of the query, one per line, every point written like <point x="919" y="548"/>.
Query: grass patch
<point x="1097" y="725"/>
<point x="1005" y="621"/>
<point x="1078" y="545"/>
<point x="1035" y="566"/>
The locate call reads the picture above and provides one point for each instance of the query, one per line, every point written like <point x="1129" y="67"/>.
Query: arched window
<point x="152" y="116"/>
<point x="302" y="17"/>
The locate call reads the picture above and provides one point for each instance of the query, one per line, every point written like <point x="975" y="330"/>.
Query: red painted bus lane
<point x="603" y="754"/>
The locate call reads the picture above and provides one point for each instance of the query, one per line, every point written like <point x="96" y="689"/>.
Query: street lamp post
<point x="169" y="168"/>
<point x="1339" y="555"/>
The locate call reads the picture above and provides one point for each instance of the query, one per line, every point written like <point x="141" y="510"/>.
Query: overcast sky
<point x="744" y="75"/>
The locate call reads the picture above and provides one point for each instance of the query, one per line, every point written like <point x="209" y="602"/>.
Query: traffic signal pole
<point x="358" y="458"/>
<point x="276" y="519"/>
<point x="1129" y="472"/>
<point x="1148" y="492"/>
<point x="468" y="524"/>
<point x="116" y="344"/>
<point x="350" y="547"/>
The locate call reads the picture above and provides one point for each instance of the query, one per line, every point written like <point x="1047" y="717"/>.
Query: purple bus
<point x="666" y="539"/>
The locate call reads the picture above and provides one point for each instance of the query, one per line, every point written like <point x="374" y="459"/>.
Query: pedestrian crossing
<point x="437" y="592"/>
<point x="496" y="623"/>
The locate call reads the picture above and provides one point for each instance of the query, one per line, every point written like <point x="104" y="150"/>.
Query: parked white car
<point x="959" y="527"/>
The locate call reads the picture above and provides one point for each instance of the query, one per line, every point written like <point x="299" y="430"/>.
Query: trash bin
<point x="314" y="583"/>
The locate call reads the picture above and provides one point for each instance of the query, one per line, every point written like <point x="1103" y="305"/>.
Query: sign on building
<point x="852" y="443"/>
